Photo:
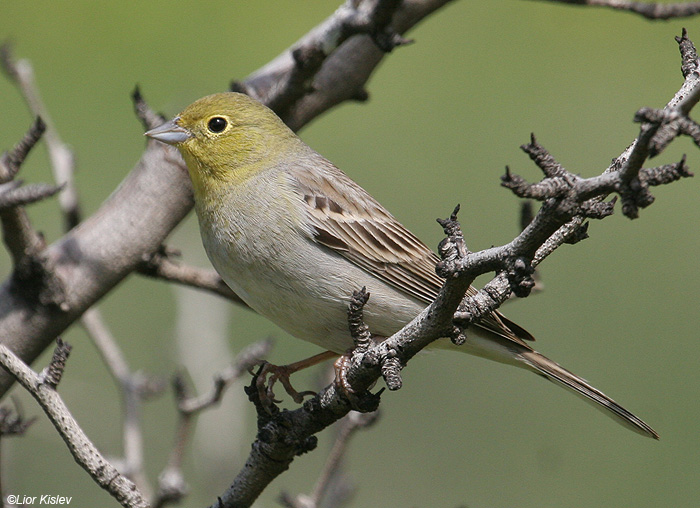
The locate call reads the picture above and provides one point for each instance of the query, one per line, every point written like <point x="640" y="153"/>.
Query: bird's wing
<point x="345" y="218"/>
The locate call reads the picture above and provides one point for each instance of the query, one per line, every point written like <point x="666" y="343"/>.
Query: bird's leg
<point x="281" y="373"/>
<point x="341" y="366"/>
<point x="361" y="337"/>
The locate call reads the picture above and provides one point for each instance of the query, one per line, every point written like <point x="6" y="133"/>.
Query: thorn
<point x="361" y="95"/>
<point x="136" y="94"/>
<point x="236" y="86"/>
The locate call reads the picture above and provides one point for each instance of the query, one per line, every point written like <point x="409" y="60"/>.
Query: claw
<point x="269" y="374"/>
<point x="266" y="379"/>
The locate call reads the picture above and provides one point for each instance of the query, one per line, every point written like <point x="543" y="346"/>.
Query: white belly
<point x="301" y="286"/>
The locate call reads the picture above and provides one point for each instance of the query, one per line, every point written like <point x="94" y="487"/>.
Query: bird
<point x="293" y="236"/>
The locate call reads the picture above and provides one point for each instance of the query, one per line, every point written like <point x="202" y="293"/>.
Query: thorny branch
<point x="171" y="482"/>
<point x="11" y="161"/>
<point x="21" y="239"/>
<point x="567" y="201"/>
<point x="308" y="56"/>
<point x="32" y="277"/>
<point x="62" y="159"/>
<point x="134" y="387"/>
<point x="43" y="388"/>
<point x="162" y="265"/>
<point x="330" y="488"/>
<point x="13" y="195"/>
<point x="135" y="220"/>
<point x="649" y="10"/>
<point x="303" y="82"/>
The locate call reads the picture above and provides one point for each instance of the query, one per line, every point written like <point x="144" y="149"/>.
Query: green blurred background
<point x="445" y="116"/>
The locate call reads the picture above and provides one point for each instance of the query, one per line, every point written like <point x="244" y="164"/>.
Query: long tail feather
<point x="559" y="375"/>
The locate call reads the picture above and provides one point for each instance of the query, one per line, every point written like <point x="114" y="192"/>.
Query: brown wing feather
<point x="345" y="218"/>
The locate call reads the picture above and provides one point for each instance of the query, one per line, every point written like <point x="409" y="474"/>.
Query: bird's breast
<point x="258" y="246"/>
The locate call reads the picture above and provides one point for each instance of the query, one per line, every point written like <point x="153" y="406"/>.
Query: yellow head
<point x="226" y="138"/>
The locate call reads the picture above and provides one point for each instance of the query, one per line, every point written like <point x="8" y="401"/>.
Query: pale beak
<point x="170" y="133"/>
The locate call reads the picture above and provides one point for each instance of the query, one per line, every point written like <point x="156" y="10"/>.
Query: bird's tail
<point x="559" y="375"/>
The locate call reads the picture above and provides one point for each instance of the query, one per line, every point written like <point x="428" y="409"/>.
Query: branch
<point x="149" y="118"/>
<point x="62" y="159"/>
<point x="649" y="10"/>
<point x="329" y="487"/>
<point x="345" y="71"/>
<point x="135" y="220"/>
<point x="171" y="483"/>
<point x="11" y="161"/>
<point x="43" y="388"/>
<point x="309" y="54"/>
<point x="13" y="194"/>
<point x="567" y="201"/>
<point x="161" y="265"/>
<point x="21" y="239"/>
<point x="134" y="388"/>
<point x="669" y="124"/>
<point x="32" y="276"/>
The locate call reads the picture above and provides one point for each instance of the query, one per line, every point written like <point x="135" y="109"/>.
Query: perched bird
<point x="293" y="236"/>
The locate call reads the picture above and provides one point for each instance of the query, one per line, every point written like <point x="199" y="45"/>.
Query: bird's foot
<point x="266" y="379"/>
<point x="362" y="400"/>
<point x="269" y="374"/>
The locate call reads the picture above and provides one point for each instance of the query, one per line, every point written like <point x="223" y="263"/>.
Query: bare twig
<point x="62" y="159"/>
<point x="32" y="279"/>
<point x="171" y="482"/>
<point x="372" y="18"/>
<point x="678" y="107"/>
<point x="567" y="201"/>
<point x="13" y="195"/>
<point x="157" y="194"/>
<point x="133" y="387"/>
<point x="649" y="10"/>
<point x="53" y="373"/>
<point x="149" y="118"/>
<point x="11" y="161"/>
<point x="21" y="239"/>
<point x="161" y="265"/>
<point x="83" y="450"/>
<point x="245" y="360"/>
<point x="329" y="491"/>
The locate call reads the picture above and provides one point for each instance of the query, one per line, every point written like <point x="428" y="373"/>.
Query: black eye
<point x="217" y="124"/>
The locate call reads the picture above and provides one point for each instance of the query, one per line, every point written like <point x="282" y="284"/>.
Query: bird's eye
<point x="217" y="124"/>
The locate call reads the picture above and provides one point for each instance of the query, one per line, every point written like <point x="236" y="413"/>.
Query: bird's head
<point x="225" y="138"/>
